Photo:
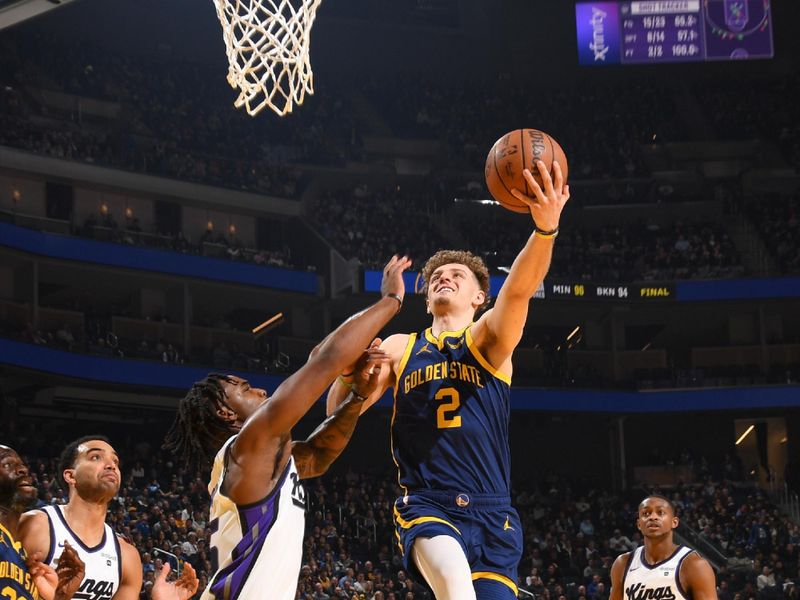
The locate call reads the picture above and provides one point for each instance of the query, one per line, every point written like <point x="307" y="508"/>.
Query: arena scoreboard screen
<point x="660" y="31"/>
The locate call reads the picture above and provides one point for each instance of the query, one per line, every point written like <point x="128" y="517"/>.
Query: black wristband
<point x="546" y="234"/>
<point x="357" y="396"/>
<point x="396" y="297"/>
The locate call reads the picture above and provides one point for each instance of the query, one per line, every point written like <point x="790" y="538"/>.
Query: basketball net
<point x="267" y="42"/>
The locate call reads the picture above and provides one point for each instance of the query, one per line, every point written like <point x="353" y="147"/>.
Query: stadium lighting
<point x="473" y="201"/>
<point x="574" y="331"/>
<point x="744" y="435"/>
<point x="262" y="328"/>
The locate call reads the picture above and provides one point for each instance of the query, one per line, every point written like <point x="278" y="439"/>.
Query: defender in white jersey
<point x="103" y="561"/>
<point x="661" y="569"/>
<point x="258" y="503"/>
<point x="277" y="542"/>
<point x="89" y="469"/>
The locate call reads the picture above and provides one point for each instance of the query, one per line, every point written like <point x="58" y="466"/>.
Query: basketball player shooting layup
<point x="455" y="523"/>
<point x="661" y="568"/>
<point x="257" y="501"/>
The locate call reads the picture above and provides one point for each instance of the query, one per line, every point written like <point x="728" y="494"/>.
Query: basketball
<point x="515" y="151"/>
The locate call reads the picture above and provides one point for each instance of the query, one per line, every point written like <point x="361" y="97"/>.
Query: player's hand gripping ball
<point x="514" y="152"/>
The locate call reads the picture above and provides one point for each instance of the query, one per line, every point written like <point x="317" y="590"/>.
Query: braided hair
<point x="198" y="431"/>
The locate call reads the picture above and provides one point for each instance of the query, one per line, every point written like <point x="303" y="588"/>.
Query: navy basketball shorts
<point x="487" y="528"/>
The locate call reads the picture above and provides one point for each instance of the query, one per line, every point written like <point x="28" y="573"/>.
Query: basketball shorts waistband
<point x="453" y="499"/>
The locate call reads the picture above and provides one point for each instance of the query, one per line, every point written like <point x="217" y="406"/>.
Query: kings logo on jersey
<point x="639" y="591"/>
<point x="94" y="590"/>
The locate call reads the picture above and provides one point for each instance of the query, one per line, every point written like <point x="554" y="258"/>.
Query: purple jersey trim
<point x="257" y="520"/>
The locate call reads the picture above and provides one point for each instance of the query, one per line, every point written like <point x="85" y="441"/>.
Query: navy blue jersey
<point x="15" y="581"/>
<point x="450" y="421"/>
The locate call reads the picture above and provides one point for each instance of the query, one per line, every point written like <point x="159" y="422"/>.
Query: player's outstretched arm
<point x="617" y="573"/>
<point x="498" y="332"/>
<point x="294" y="397"/>
<point x="314" y="455"/>
<point x="697" y="577"/>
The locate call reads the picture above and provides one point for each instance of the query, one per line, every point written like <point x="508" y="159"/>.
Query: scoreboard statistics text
<point x="659" y="31"/>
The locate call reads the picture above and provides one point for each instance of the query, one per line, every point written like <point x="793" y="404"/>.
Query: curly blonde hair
<point x="460" y="257"/>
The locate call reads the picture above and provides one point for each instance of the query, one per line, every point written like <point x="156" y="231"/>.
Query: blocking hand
<point x="392" y="282"/>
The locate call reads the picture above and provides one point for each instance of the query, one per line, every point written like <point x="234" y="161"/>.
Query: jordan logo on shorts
<point x="507" y="526"/>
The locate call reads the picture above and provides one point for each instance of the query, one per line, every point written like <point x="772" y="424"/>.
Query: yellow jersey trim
<point x="483" y="362"/>
<point x="14" y="543"/>
<point x="412" y="337"/>
<point x="496" y="577"/>
<point x="408" y="524"/>
<point x="439" y="341"/>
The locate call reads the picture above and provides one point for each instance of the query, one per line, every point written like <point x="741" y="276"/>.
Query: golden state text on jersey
<point x="15" y="581"/>
<point x="451" y="413"/>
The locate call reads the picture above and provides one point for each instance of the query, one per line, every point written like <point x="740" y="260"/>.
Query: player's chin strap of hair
<point x="548" y="235"/>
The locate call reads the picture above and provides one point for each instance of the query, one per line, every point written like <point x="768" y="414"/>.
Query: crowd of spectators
<point x="622" y="251"/>
<point x="777" y="218"/>
<point x="573" y="531"/>
<point x="97" y="338"/>
<point x="470" y="115"/>
<point x="762" y="111"/>
<point x="172" y="118"/>
<point x="372" y="224"/>
<point x="209" y="243"/>
<point x="369" y="225"/>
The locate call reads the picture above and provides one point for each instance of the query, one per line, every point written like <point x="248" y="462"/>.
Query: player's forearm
<point x="342" y="347"/>
<point x="328" y="440"/>
<point x="529" y="268"/>
<point x="336" y="395"/>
